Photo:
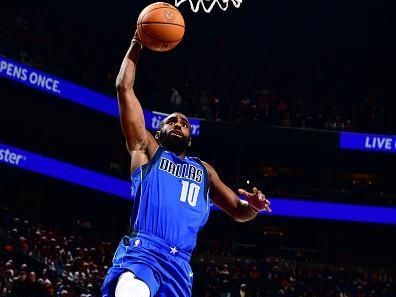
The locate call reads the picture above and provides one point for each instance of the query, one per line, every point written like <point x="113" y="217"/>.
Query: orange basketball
<point x="160" y="26"/>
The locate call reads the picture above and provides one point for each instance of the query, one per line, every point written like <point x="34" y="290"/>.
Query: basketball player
<point x="171" y="193"/>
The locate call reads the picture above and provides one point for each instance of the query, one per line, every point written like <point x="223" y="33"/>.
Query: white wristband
<point x="135" y="40"/>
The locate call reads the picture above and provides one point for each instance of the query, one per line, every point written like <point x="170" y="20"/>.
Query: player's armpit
<point x="141" y="154"/>
<point x="138" y="158"/>
<point x="152" y="145"/>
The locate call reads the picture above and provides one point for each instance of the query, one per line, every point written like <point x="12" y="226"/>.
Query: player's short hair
<point x="162" y="123"/>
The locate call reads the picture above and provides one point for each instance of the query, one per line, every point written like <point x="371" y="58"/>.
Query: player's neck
<point x="181" y="156"/>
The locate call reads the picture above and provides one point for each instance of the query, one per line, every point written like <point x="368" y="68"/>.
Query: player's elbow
<point x="122" y="86"/>
<point x="123" y="82"/>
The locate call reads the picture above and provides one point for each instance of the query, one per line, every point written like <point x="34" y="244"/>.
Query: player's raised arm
<point x="227" y="200"/>
<point x="140" y="143"/>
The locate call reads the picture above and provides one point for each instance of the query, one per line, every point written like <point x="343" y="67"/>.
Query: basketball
<point x="160" y="27"/>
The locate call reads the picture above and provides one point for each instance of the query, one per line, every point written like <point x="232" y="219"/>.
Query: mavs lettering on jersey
<point x="171" y="198"/>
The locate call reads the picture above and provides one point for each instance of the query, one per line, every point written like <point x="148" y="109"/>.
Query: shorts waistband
<point x="160" y="243"/>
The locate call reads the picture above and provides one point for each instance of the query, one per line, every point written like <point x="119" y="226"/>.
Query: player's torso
<point x="171" y="198"/>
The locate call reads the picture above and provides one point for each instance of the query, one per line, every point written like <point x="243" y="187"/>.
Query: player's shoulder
<point x="204" y="164"/>
<point x="209" y="168"/>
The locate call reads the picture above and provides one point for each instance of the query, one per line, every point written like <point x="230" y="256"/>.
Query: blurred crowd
<point x="43" y="261"/>
<point x="263" y="88"/>
<point x="279" y="277"/>
<point x="283" y="181"/>
<point x="264" y="106"/>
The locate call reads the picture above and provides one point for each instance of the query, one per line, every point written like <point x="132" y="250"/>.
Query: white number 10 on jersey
<point x="189" y="193"/>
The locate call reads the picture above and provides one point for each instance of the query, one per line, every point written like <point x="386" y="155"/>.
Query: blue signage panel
<point x="368" y="142"/>
<point x="63" y="171"/>
<point x="281" y="207"/>
<point x="333" y="211"/>
<point x="55" y="86"/>
<point x="63" y="89"/>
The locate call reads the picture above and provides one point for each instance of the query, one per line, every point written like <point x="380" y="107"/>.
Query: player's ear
<point x="157" y="135"/>
<point x="189" y="142"/>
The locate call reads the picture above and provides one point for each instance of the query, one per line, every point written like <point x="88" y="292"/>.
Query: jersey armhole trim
<point x="155" y="157"/>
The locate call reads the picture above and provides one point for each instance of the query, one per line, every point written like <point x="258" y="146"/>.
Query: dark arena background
<point x="293" y="97"/>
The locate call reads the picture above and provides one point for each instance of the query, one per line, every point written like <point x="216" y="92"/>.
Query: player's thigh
<point x="129" y="286"/>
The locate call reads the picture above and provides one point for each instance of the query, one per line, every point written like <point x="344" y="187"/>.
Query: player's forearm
<point x="131" y="112"/>
<point x="126" y="76"/>
<point x="243" y="212"/>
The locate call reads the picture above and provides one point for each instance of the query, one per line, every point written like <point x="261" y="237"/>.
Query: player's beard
<point x="177" y="145"/>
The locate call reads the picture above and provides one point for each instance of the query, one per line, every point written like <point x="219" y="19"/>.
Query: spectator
<point x="20" y="286"/>
<point x="243" y="290"/>
<point x="176" y="101"/>
<point x="3" y="286"/>
<point x="33" y="286"/>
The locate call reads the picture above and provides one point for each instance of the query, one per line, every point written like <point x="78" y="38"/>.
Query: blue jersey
<point x="171" y="198"/>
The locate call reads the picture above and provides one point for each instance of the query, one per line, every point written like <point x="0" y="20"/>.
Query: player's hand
<point x="256" y="200"/>
<point x="136" y="39"/>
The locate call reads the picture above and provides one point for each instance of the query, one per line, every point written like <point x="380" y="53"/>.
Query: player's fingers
<point x="244" y="192"/>
<point x="267" y="205"/>
<point x="136" y="38"/>
<point x="261" y="196"/>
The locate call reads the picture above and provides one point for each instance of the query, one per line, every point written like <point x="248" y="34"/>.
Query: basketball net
<point x="207" y="5"/>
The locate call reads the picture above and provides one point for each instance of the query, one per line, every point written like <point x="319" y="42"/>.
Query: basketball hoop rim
<point x="208" y="5"/>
